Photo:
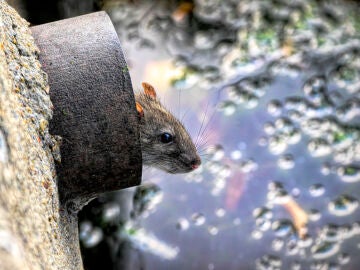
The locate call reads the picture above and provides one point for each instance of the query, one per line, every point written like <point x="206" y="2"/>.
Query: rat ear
<point x="149" y="90"/>
<point x="139" y="109"/>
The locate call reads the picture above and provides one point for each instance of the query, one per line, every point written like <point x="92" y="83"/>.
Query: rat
<point x="165" y="142"/>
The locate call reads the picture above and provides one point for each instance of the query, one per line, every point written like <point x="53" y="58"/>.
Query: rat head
<point x="165" y="143"/>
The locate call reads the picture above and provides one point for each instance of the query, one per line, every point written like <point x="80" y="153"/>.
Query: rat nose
<point x="195" y="163"/>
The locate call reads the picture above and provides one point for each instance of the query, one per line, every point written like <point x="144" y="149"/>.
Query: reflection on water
<point x="270" y="90"/>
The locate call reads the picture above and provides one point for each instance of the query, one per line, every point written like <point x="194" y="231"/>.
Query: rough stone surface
<point x="34" y="233"/>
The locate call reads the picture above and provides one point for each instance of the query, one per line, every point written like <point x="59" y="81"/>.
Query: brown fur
<point x="179" y="156"/>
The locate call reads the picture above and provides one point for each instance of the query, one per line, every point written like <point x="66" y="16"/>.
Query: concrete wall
<point x="34" y="232"/>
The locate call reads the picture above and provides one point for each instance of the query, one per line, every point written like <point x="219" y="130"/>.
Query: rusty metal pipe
<point x="94" y="107"/>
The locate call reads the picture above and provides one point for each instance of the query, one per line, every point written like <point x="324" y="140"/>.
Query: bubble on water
<point x="286" y="162"/>
<point x="316" y="190"/>
<point x="324" y="250"/>
<point x="236" y="155"/>
<point x="248" y="165"/>
<point x="305" y="242"/>
<point x="203" y="40"/>
<point x="211" y="266"/>
<point x="274" y="186"/>
<point x="295" y="104"/>
<point x="315" y="89"/>
<point x="85" y="229"/>
<point x="239" y="95"/>
<point x="278" y="196"/>
<point x="223" y="48"/>
<point x="213" y="230"/>
<point x="320" y="111"/>
<point x="256" y="234"/>
<point x="213" y="166"/>
<point x="283" y="69"/>
<point x="259" y="92"/>
<point x="295" y="192"/>
<point x="196" y="178"/>
<point x="343" y="258"/>
<point x="120" y="13"/>
<point x="146" y="198"/>
<point x="295" y="266"/>
<point x="252" y="102"/>
<point x="294" y="137"/>
<point x="292" y="247"/>
<point x="237" y="221"/>
<point x="355" y="228"/>
<point x="269" y="128"/>
<point x="277" y="244"/>
<point x="277" y="145"/>
<point x="320" y="265"/>
<point x="316" y="127"/>
<point x="295" y="115"/>
<point x="344" y="138"/>
<point x="208" y="12"/>
<point x="182" y="224"/>
<point x="111" y="211"/>
<point x="263" y="224"/>
<point x="219" y="183"/>
<point x="220" y="212"/>
<point x="345" y="156"/>
<point x="146" y="44"/>
<point x="314" y="215"/>
<point x="343" y="205"/>
<point x="89" y="235"/>
<point x="228" y="107"/>
<point x="216" y="153"/>
<point x="224" y="172"/>
<point x="187" y="80"/>
<point x="346" y="231"/>
<point x="263" y="141"/>
<point x="274" y="107"/>
<point x="198" y="219"/>
<point x="326" y="168"/>
<point x="216" y="191"/>
<point x="349" y="111"/>
<point x="267" y="262"/>
<point x="210" y="75"/>
<point x="282" y="228"/>
<point x="319" y="147"/>
<point x="158" y="23"/>
<point x="234" y="94"/>
<point x="346" y="76"/>
<point x="349" y="173"/>
<point x="284" y="123"/>
<point x="262" y="212"/>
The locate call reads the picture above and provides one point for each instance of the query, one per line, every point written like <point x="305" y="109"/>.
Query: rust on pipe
<point x="94" y="107"/>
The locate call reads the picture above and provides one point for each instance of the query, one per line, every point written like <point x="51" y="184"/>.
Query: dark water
<point x="272" y="89"/>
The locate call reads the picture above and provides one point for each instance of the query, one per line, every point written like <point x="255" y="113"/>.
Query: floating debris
<point x="148" y="242"/>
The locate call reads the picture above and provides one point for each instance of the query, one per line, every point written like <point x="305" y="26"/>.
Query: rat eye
<point x="166" y="138"/>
